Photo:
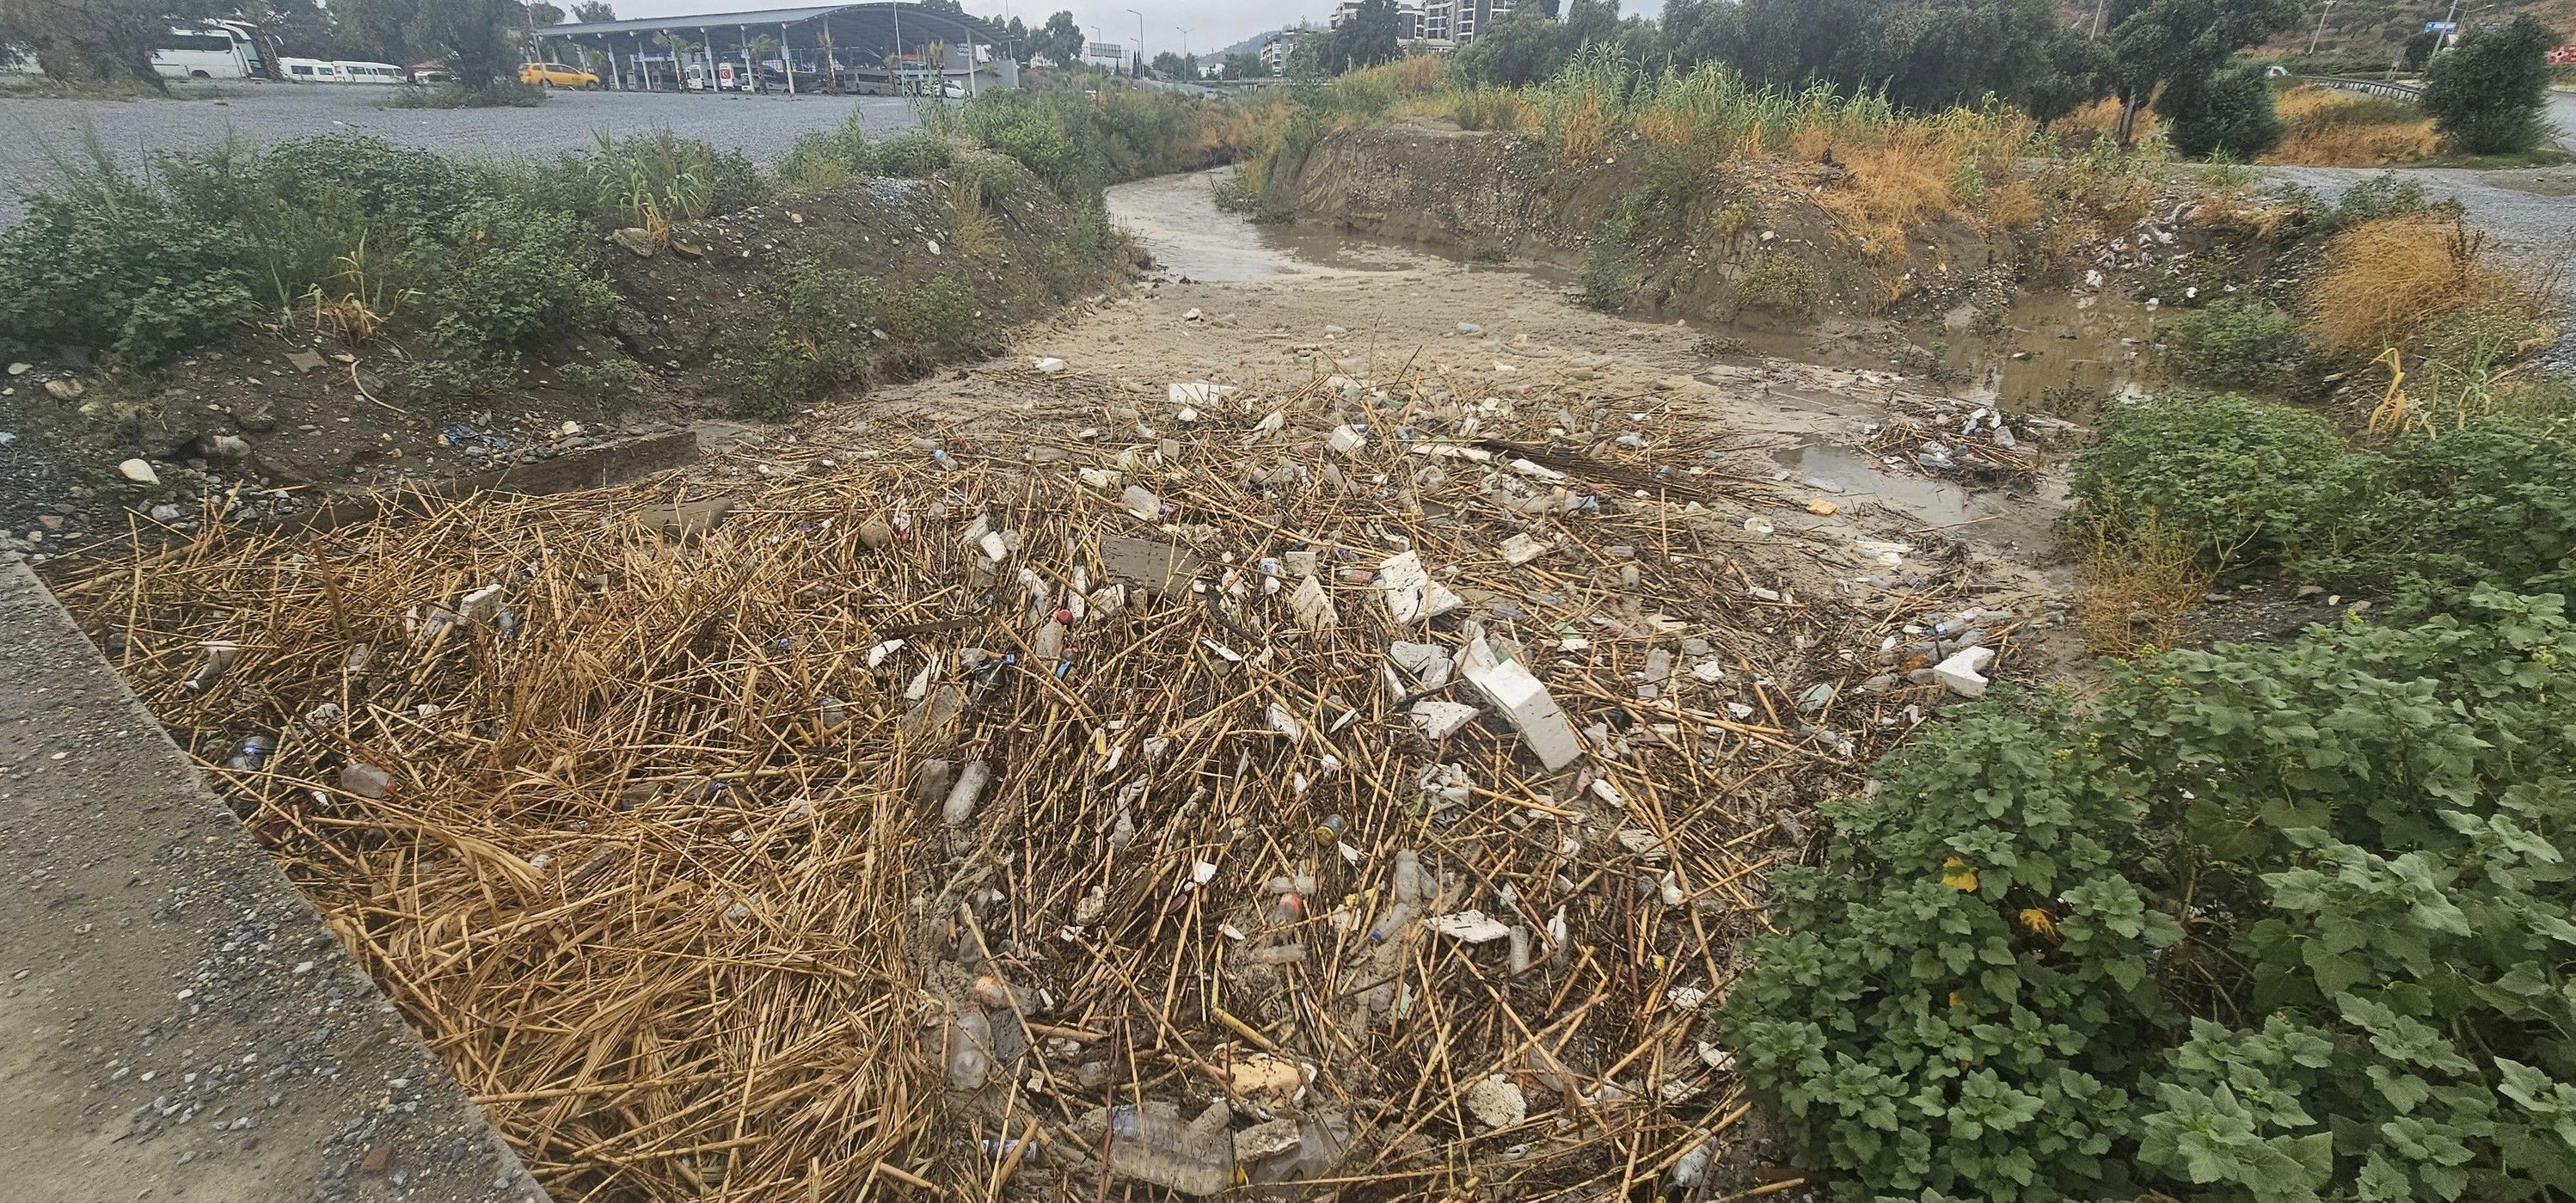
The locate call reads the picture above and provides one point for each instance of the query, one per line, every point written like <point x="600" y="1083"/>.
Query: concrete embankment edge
<point x="176" y="1022"/>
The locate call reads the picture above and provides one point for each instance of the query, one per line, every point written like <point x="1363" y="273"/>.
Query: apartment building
<point x="1457" y="22"/>
<point x="1409" y="21"/>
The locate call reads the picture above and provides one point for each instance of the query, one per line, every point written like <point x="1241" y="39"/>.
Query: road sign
<point x="1109" y="49"/>
<point x="2441" y="27"/>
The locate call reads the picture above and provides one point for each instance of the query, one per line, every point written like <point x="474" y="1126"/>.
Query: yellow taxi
<point x="557" y="75"/>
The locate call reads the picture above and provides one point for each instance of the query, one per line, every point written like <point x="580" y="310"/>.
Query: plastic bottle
<point x="365" y="780"/>
<point x="1409" y="879"/>
<point x="970" y="1048"/>
<point x="254" y="753"/>
<point x="1168" y="1153"/>
<point x="971" y="781"/>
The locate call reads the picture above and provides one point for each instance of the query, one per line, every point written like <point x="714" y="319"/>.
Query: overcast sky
<point x="1212" y="23"/>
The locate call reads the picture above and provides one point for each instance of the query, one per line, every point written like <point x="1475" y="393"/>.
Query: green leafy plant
<point x="1609" y="271"/>
<point x="1961" y="1000"/>
<point x="2239" y="344"/>
<point x="2238" y="481"/>
<point x="511" y="274"/>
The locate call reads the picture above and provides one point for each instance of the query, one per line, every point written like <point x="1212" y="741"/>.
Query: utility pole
<point x="2321" y="28"/>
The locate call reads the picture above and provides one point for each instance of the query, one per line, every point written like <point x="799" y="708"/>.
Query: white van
<point x="212" y="50"/>
<point x="354" y="72"/>
<point x="311" y="71"/>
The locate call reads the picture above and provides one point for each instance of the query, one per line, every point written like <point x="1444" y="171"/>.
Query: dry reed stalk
<point x="651" y="880"/>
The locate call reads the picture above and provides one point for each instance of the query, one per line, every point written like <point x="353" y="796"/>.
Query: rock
<point x="1470" y="329"/>
<point x="1193" y="316"/>
<point x="1822" y="508"/>
<point x="1963" y="673"/>
<point x="687" y="250"/>
<point x="20" y="369"/>
<point x="65" y="388"/>
<point x="1497" y="1103"/>
<point x="635" y="239"/>
<point x="307" y="361"/>
<point x="166" y="512"/>
<point x="257" y="417"/>
<point x="226" y="446"/>
<point x="139" y="472"/>
<point x="1261" y="1074"/>
<point x="1049" y="365"/>
<point x="876" y="534"/>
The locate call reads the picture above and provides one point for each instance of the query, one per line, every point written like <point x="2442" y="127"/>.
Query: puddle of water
<point x="1860" y="477"/>
<point x="2073" y="350"/>
<point x="1177" y="218"/>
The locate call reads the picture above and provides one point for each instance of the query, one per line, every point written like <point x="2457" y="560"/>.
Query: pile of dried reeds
<point x="1958" y="440"/>
<point x="665" y="869"/>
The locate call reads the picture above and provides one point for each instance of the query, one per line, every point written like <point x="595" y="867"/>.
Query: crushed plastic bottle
<point x="970" y="1048"/>
<point x="969" y="789"/>
<point x="252" y="754"/>
<point x="365" y="780"/>
<point x="1194" y="1158"/>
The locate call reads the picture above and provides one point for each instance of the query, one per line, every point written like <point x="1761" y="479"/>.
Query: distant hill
<point x="2379" y="28"/>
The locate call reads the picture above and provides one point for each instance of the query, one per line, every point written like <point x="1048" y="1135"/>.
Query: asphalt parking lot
<point x="35" y="133"/>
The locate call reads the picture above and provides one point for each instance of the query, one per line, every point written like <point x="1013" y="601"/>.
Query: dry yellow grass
<point x="2101" y="119"/>
<point x="2132" y="598"/>
<point x="2331" y="129"/>
<point x="2387" y="282"/>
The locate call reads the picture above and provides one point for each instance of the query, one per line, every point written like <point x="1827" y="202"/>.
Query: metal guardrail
<point x="2386" y="88"/>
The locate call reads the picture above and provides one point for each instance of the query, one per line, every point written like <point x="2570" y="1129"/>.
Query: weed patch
<point x="2239" y="344"/>
<point x="2389" y="280"/>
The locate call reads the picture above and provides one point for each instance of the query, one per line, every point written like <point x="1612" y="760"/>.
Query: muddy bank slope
<point x="753" y="313"/>
<point x="1751" y="245"/>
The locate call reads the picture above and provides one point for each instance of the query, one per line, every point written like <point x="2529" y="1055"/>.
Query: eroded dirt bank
<point x="646" y="801"/>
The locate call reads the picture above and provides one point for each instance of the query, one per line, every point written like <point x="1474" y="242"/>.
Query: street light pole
<point x="1137" y="68"/>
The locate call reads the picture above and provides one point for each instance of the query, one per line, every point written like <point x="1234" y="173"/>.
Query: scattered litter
<point x="1496" y="1102"/>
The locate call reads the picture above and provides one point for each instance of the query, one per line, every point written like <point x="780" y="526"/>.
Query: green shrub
<point x="1777" y="282"/>
<point x="2239" y="344"/>
<point x="2241" y="482"/>
<point x="913" y="156"/>
<point x="2227" y="112"/>
<point x="1609" y="271"/>
<point x="2346" y="861"/>
<point x="820" y="323"/>
<point x="820" y="159"/>
<point x="1041" y="135"/>
<point x="512" y="274"/>
<point x="1961" y="1002"/>
<point x="2489" y="501"/>
<point x="2378" y="828"/>
<point x="106" y="261"/>
<point x="2490" y="93"/>
<point x="500" y="93"/>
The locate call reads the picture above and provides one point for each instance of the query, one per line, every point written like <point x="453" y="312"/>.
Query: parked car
<point x="557" y="75"/>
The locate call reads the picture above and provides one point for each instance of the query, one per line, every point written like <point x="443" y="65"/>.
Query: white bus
<point x="214" y="50"/>
<point x="354" y="72"/>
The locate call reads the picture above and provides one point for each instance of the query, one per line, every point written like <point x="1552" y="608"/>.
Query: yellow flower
<point x="1956" y="874"/>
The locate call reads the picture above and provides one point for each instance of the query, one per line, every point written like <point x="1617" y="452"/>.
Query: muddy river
<point x="2047" y="352"/>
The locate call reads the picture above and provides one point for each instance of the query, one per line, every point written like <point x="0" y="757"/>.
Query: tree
<point x="1530" y="45"/>
<point x="542" y="14"/>
<point x="109" y="40"/>
<point x="1172" y="66"/>
<point x="1245" y="65"/>
<point x="477" y="39"/>
<point x="1059" y="39"/>
<point x="1925" y="54"/>
<point x="2487" y="93"/>
<point x="1371" y="36"/>
<point x="2154" y="42"/>
<point x="2228" y="112"/>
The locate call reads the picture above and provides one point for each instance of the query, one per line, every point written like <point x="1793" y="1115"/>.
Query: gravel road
<point x="33" y="132"/>
<point x="2532" y="209"/>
